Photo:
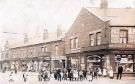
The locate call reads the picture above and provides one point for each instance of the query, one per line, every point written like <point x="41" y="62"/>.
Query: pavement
<point x="33" y="79"/>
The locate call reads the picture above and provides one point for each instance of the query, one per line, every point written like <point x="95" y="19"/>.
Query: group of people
<point x="12" y="77"/>
<point x="74" y="75"/>
<point x="43" y="75"/>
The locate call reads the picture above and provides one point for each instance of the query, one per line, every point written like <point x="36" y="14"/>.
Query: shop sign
<point x="93" y="60"/>
<point x="125" y="60"/>
<point x="75" y="50"/>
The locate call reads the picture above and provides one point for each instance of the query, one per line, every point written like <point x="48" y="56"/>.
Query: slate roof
<point x="33" y="41"/>
<point x="117" y="16"/>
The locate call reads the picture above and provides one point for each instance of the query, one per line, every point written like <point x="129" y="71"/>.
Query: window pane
<point x="92" y="40"/>
<point x="126" y="61"/>
<point x="123" y="36"/>
<point x="76" y="42"/>
<point x="98" y="38"/>
<point x="71" y="43"/>
<point x="56" y="49"/>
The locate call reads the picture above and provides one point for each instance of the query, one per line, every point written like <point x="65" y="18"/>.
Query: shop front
<point x="58" y="62"/>
<point x="76" y="62"/>
<point x="95" y="61"/>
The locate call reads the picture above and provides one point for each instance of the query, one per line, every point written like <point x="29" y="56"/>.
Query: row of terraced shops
<point x="95" y="40"/>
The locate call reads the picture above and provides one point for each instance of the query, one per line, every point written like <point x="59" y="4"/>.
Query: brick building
<point x="103" y="38"/>
<point x="34" y="54"/>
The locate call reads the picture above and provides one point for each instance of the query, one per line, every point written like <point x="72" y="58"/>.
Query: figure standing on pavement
<point x="111" y="73"/>
<point x="25" y="77"/>
<point x="75" y="74"/>
<point x="89" y="76"/>
<point x="81" y="75"/>
<point x="99" y="72"/>
<point x="11" y="78"/>
<point x="104" y="72"/>
<point x="84" y="74"/>
<point x="40" y="76"/>
<point x="15" y="68"/>
<point x="120" y="70"/>
<point x="95" y="73"/>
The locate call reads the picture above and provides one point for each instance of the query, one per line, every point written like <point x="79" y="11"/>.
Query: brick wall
<point x="84" y="24"/>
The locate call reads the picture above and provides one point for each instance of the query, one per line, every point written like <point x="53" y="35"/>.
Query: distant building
<point x="40" y="53"/>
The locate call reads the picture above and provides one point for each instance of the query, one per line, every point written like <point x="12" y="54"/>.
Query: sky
<point x="33" y="16"/>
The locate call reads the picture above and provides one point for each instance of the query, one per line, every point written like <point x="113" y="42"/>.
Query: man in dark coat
<point x="120" y="70"/>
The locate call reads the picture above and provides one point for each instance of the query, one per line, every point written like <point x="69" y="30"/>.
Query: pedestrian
<point x="111" y="73"/>
<point x="99" y="72"/>
<point x="15" y="71"/>
<point x="15" y="68"/>
<point x="120" y="70"/>
<point x="75" y="75"/>
<point x="62" y="75"/>
<point x="59" y="74"/>
<point x="45" y="75"/>
<point x="81" y="75"/>
<point x="84" y="74"/>
<point x="90" y="76"/>
<point x="4" y="69"/>
<point x="25" y="77"/>
<point x="71" y="75"/>
<point x="91" y="73"/>
<point x="65" y="75"/>
<point x="104" y="72"/>
<point x="11" y="78"/>
<point x="95" y="73"/>
<point x="55" y="75"/>
<point x="39" y="76"/>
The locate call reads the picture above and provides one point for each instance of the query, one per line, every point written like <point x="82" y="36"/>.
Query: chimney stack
<point x="45" y="34"/>
<point x="26" y="38"/>
<point x="104" y="4"/>
<point x="59" y="31"/>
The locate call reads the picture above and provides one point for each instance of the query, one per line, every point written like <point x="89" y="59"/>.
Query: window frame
<point x="76" y="42"/>
<point x="92" y="40"/>
<point x="71" y="43"/>
<point x="122" y="37"/>
<point x="98" y="39"/>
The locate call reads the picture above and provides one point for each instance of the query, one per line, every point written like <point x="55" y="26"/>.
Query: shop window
<point x="71" y="43"/>
<point x="91" y="39"/>
<point x="76" y="42"/>
<point x="98" y="38"/>
<point x="126" y="61"/>
<point x="123" y="36"/>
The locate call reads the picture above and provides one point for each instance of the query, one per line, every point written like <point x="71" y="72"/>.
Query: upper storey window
<point x="98" y="38"/>
<point x="91" y="39"/>
<point x="123" y="36"/>
<point x="56" y="49"/>
<point x="71" y="43"/>
<point x="76" y="42"/>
